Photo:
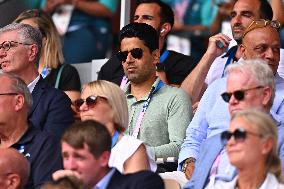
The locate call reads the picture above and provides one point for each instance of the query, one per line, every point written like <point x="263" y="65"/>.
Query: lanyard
<point x="163" y="57"/>
<point x="45" y="71"/>
<point x="229" y="60"/>
<point x="114" y="139"/>
<point x="144" y="108"/>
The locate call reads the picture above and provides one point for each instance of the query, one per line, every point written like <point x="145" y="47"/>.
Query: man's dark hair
<point x="142" y="31"/>
<point x="265" y="10"/>
<point x="91" y="133"/>
<point x="166" y="12"/>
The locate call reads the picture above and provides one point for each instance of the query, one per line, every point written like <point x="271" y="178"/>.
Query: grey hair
<point x="259" y="71"/>
<point x="19" y="86"/>
<point x="28" y="35"/>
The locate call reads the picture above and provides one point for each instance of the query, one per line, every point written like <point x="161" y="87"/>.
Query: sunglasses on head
<point x="239" y="134"/>
<point x="239" y="94"/>
<point x="90" y="101"/>
<point x="261" y="23"/>
<point x="136" y="53"/>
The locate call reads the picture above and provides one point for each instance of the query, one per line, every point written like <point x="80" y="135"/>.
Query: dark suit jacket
<point x="51" y="109"/>
<point x="139" y="180"/>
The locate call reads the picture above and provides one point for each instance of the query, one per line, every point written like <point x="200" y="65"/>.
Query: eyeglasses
<point x="2" y="94"/>
<point x="261" y="23"/>
<point x="6" y="45"/>
<point x="136" y="53"/>
<point x="239" y="94"/>
<point x="90" y="101"/>
<point x="240" y="134"/>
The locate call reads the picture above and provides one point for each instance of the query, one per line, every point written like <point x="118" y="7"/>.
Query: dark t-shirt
<point x="177" y="66"/>
<point x="69" y="80"/>
<point x="43" y="153"/>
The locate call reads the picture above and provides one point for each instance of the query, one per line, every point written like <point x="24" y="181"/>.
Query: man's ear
<point x="19" y="102"/>
<point x="267" y="95"/>
<point x="243" y="49"/>
<point x="104" y="158"/>
<point x="267" y="146"/>
<point x="165" y="29"/>
<point x="13" y="181"/>
<point x="156" y="56"/>
<point x="33" y="52"/>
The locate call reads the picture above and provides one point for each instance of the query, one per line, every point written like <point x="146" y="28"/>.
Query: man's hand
<point x="218" y="44"/>
<point x="189" y="170"/>
<point x="63" y="173"/>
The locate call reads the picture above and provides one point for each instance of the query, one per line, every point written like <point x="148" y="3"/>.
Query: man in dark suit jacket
<point x="86" y="148"/>
<point x="20" y="51"/>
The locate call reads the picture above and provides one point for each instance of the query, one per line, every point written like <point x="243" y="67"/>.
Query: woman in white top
<point x="251" y="144"/>
<point x="105" y="102"/>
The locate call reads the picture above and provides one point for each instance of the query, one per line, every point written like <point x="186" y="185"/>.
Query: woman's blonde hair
<point x="116" y="99"/>
<point x="52" y="49"/>
<point x="263" y="124"/>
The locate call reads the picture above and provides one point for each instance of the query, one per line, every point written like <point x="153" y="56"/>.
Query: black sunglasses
<point x="136" y="53"/>
<point x="90" y="101"/>
<point x="239" y="134"/>
<point x="239" y="94"/>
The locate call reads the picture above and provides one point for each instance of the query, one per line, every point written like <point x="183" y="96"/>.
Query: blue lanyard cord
<point x="164" y="56"/>
<point x="229" y="60"/>
<point x="144" y="108"/>
<point x="114" y="139"/>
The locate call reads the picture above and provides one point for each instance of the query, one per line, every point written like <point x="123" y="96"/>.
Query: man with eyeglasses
<point x="173" y="67"/>
<point x="250" y="84"/>
<point x="158" y="113"/>
<point x="41" y="149"/>
<point x="20" y="47"/>
<point x="212" y="116"/>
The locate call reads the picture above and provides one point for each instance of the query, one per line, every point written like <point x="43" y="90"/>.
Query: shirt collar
<point x="232" y="49"/>
<point x="128" y="85"/>
<point x="32" y="85"/>
<point x="103" y="183"/>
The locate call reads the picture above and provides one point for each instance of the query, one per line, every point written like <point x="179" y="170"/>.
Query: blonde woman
<point x="105" y="102"/>
<point x="51" y="67"/>
<point x="251" y="144"/>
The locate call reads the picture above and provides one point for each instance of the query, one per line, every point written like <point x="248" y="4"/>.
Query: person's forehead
<point x="267" y="35"/>
<point x="149" y="9"/>
<point x="245" y="5"/>
<point x="5" y="84"/>
<point x="8" y="36"/>
<point x="239" y="79"/>
<point x="131" y="43"/>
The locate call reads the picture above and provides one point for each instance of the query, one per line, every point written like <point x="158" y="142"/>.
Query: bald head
<point x="14" y="169"/>
<point x="263" y="43"/>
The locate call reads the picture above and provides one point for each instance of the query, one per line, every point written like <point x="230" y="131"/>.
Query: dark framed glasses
<point x="10" y="94"/>
<point x="6" y="45"/>
<point x="136" y="53"/>
<point x="261" y="23"/>
<point x="239" y="94"/>
<point x="240" y="134"/>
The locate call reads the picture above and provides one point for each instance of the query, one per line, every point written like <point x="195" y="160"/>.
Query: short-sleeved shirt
<point x="43" y="153"/>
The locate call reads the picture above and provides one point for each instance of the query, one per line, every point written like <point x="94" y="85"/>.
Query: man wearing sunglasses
<point x="20" y="47"/>
<point x="158" y="113"/>
<point x="212" y="117"/>
<point x="213" y="63"/>
<point x="173" y="66"/>
<point x="250" y="84"/>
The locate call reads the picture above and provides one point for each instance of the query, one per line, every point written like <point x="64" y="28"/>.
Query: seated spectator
<point x="19" y="53"/>
<point x="88" y="35"/>
<point x="253" y="151"/>
<point x="41" y="149"/>
<point x="66" y="182"/>
<point x="51" y="63"/>
<point x="173" y="67"/>
<point x="14" y="169"/>
<point x="159" y="114"/>
<point x="105" y="102"/>
<point x="86" y="149"/>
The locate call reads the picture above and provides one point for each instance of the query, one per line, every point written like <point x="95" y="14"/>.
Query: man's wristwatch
<point x="187" y="162"/>
<point x="160" y="67"/>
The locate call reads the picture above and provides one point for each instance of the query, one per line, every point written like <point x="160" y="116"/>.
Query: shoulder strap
<point x="59" y="76"/>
